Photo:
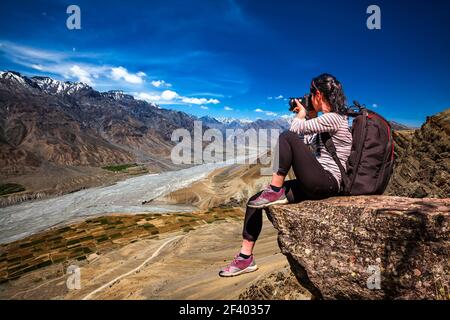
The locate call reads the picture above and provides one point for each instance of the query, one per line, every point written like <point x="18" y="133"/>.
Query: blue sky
<point x="240" y="59"/>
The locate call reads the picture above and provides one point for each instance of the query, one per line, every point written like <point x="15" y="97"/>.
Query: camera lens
<point x="292" y="104"/>
<point x="305" y="101"/>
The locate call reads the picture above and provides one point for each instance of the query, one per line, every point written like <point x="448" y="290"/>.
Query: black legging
<point x="313" y="181"/>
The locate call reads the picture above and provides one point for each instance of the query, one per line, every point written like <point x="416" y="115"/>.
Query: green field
<point x="120" y="167"/>
<point x="9" y="188"/>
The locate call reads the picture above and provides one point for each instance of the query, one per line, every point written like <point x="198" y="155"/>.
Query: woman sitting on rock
<point x="317" y="174"/>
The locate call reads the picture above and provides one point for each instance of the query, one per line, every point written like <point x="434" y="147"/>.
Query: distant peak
<point x="6" y="73"/>
<point x="209" y="118"/>
<point x="399" y="126"/>
<point x="44" y="83"/>
<point x="231" y="120"/>
<point x="117" y="95"/>
<point x="52" y="86"/>
<point x="11" y="75"/>
<point x="42" y="78"/>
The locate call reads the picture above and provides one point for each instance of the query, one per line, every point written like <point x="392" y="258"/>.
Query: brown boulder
<point x="368" y="247"/>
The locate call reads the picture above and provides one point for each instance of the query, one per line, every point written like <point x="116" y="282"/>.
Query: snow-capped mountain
<point x="231" y="123"/>
<point x="117" y="95"/>
<point x="51" y="86"/>
<point x="44" y="84"/>
<point x="47" y="85"/>
<point x="231" y="120"/>
<point x="44" y="121"/>
<point x="16" y="79"/>
<point x="222" y="123"/>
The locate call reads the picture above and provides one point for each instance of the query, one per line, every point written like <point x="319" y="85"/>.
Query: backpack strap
<point x="331" y="148"/>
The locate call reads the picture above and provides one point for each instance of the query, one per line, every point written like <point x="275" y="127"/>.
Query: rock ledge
<point x="367" y="247"/>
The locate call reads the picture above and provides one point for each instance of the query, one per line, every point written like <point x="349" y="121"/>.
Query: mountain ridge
<point x="68" y="123"/>
<point x="48" y="122"/>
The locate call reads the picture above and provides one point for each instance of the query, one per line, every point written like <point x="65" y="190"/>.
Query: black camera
<point x="305" y="102"/>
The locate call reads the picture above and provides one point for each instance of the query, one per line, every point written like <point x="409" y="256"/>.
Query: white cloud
<point x="120" y="73"/>
<point x="166" y="97"/>
<point x="21" y="54"/>
<point x="228" y="108"/>
<point x="67" y="64"/>
<point x="37" y="67"/>
<point x="276" y="98"/>
<point x="199" y="100"/>
<point x="58" y="63"/>
<point x="172" y="97"/>
<point x="169" y="95"/>
<point x="147" y="97"/>
<point x="82" y="74"/>
<point x="160" y="83"/>
<point x="268" y="113"/>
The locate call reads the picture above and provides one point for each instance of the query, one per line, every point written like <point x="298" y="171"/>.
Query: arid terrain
<point x="150" y="256"/>
<point x="174" y="265"/>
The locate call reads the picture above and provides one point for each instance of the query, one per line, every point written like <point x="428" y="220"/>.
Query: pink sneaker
<point x="268" y="198"/>
<point x="239" y="266"/>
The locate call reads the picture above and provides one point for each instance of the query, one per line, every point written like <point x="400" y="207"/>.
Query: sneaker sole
<point x="262" y="206"/>
<point x="246" y="270"/>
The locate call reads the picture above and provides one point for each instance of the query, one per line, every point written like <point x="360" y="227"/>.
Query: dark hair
<point x="332" y="89"/>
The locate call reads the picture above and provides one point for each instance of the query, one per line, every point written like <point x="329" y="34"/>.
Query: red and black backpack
<point x="371" y="161"/>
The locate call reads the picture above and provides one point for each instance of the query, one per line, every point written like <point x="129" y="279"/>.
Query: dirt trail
<point x="179" y="266"/>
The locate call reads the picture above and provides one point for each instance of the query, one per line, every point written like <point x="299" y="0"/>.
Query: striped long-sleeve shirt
<point x="338" y="127"/>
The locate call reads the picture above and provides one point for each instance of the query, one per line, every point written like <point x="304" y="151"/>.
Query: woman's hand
<point x="299" y="109"/>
